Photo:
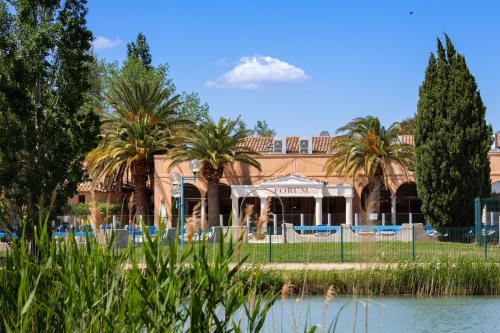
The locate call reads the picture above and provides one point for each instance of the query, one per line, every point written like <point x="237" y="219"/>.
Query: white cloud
<point x="251" y="72"/>
<point x="101" y="43"/>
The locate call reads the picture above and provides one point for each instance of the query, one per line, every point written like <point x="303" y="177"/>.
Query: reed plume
<point x="286" y="290"/>
<point x="193" y="223"/>
<point x="330" y="295"/>
<point x="247" y="213"/>
<point x="260" y="230"/>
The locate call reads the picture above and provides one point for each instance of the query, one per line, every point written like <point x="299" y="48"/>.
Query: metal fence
<point x="384" y="244"/>
<point x="118" y="220"/>
<point x="327" y="244"/>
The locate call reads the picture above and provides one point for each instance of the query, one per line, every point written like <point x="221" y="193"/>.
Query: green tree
<point x="142" y="116"/>
<point x="407" y="126"/>
<point x="214" y="145"/>
<point x="45" y="133"/>
<point x="365" y="148"/>
<point x="452" y="140"/>
<point x="140" y="50"/>
<point x="132" y="69"/>
<point x="192" y="108"/>
<point x="262" y="129"/>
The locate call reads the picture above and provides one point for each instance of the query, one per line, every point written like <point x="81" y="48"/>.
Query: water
<point x="388" y="314"/>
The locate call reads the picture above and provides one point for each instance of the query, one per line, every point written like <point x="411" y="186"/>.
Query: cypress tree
<point x="140" y="50"/>
<point x="452" y="140"/>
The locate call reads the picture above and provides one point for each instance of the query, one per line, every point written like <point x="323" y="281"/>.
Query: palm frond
<point x="366" y="148"/>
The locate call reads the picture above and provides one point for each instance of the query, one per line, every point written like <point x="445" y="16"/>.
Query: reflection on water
<point x="388" y="314"/>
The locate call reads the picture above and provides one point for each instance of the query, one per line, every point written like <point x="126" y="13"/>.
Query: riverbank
<point x="454" y="278"/>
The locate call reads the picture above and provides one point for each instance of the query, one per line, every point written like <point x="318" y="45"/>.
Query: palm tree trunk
<point x="213" y="202"/>
<point x="371" y="202"/>
<point x="139" y="178"/>
<point x="151" y="175"/>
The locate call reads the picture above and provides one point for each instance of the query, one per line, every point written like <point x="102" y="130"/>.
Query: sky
<point x="305" y="66"/>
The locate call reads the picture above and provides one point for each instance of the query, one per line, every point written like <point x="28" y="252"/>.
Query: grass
<point x="375" y="252"/>
<point x="446" y="278"/>
<point x="380" y="252"/>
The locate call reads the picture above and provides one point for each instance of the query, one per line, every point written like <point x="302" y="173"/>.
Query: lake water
<point x="388" y="314"/>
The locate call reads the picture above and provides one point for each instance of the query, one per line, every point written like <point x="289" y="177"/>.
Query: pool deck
<point x="323" y="266"/>
<point x="4" y="247"/>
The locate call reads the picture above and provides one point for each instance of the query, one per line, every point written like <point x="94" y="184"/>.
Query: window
<point x="495" y="189"/>
<point x="81" y="199"/>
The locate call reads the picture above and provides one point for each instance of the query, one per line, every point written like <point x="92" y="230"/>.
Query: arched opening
<point x="225" y="199"/>
<point x="407" y="201"/>
<point x="495" y="189"/>
<point x="192" y="197"/>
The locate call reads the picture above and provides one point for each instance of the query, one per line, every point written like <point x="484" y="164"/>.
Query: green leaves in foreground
<point x="93" y="287"/>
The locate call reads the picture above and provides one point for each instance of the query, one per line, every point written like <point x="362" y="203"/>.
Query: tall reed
<point x="92" y="287"/>
<point x="453" y="278"/>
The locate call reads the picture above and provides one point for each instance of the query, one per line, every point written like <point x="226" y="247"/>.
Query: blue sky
<point x="305" y="66"/>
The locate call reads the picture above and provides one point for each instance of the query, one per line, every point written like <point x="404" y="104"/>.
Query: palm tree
<point x="214" y="145"/>
<point x="139" y="124"/>
<point x="365" y="148"/>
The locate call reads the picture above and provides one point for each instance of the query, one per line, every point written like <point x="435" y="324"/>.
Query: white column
<point x="275" y="224"/>
<point x="348" y="210"/>
<point x="203" y="213"/>
<point x="383" y="218"/>
<point x="318" y="211"/>
<point x="329" y="219"/>
<point x="234" y="209"/>
<point x="393" y="210"/>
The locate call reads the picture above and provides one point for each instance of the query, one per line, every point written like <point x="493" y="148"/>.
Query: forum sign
<point x="295" y="191"/>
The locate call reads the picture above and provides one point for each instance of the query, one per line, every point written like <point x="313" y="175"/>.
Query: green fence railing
<point x="366" y="244"/>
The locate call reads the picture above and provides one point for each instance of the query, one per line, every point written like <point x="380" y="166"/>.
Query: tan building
<point x="109" y="189"/>
<point x="293" y="169"/>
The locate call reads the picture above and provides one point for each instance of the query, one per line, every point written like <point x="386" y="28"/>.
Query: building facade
<point x="292" y="184"/>
<point x="293" y="181"/>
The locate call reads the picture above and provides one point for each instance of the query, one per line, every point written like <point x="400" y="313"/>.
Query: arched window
<point x="495" y="189"/>
<point x="191" y="198"/>
<point x="407" y="200"/>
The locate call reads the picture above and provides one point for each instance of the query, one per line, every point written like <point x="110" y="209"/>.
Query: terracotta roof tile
<point x="408" y="139"/>
<point x="321" y="144"/>
<point x="259" y="144"/>
<point x="292" y="144"/>
<point x="106" y="184"/>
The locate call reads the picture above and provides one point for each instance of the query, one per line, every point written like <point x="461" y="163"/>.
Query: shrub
<point x="79" y="209"/>
<point x="106" y="208"/>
